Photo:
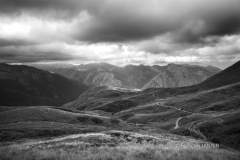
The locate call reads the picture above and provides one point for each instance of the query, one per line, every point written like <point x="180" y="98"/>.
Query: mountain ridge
<point x="28" y="85"/>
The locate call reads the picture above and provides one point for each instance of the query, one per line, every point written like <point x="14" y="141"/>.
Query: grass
<point x="114" y="145"/>
<point x="122" y="152"/>
<point x="55" y="115"/>
<point x="208" y="99"/>
<point x="225" y="104"/>
<point x="15" y="131"/>
<point x="32" y="122"/>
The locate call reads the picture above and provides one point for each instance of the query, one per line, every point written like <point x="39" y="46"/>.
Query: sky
<point x="120" y="32"/>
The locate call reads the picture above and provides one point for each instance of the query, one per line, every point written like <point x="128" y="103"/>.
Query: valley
<point x="141" y="124"/>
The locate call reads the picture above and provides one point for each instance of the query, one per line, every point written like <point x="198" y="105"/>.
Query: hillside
<point x="43" y="121"/>
<point x="228" y="76"/>
<point x="23" y="85"/>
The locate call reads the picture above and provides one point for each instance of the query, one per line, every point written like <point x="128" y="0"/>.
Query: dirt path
<point x="176" y="124"/>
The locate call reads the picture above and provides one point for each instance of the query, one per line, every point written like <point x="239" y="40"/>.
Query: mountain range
<point x="135" y="77"/>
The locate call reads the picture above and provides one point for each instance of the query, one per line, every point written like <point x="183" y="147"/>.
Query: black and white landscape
<point x="119" y="79"/>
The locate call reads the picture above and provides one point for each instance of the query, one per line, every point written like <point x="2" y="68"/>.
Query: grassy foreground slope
<point x="116" y="145"/>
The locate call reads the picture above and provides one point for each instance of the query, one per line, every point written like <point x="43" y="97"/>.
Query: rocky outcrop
<point x="106" y="79"/>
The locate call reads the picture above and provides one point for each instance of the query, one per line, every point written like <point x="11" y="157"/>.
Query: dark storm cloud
<point x="117" y="23"/>
<point x="134" y="20"/>
<point x="14" y="42"/>
<point x="122" y="21"/>
<point x="223" y="21"/>
<point x="121" y="31"/>
<point x="210" y="34"/>
<point x="17" y="6"/>
<point x="210" y="24"/>
<point x="65" y="9"/>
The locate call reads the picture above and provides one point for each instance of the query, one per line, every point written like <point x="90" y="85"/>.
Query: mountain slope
<point x="228" y="76"/>
<point x="209" y="100"/>
<point x="23" y="85"/>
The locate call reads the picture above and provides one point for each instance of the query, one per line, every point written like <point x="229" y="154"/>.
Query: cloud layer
<point x="154" y="31"/>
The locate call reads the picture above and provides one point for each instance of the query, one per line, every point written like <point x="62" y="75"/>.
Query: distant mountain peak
<point x="210" y="66"/>
<point x="172" y="64"/>
<point x="91" y="66"/>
